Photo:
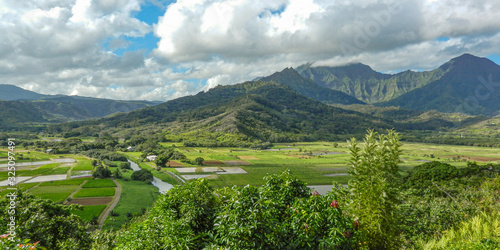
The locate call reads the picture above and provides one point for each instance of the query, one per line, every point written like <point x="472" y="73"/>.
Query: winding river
<point x="162" y="186"/>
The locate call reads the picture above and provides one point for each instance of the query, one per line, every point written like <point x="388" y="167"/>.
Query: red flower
<point x="334" y="204"/>
<point x="355" y="224"/>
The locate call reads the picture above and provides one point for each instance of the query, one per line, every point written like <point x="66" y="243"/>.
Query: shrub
<point x="143" y="175"/>
<point x="124" y="165"/>
<point x="199" y="161"/>
<point x="429" y="173"/>
<point x="373" y="189"/>
<point x="101" y="172"/>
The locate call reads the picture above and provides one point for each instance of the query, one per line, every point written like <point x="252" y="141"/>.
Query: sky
<point x="161" y="50"/>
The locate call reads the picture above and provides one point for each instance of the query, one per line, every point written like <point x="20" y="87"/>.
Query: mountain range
<point x="19" y="106"/>
<point x="251" y="111"/>
<point x="290" y="105"/>
<point x="466" y="84"/>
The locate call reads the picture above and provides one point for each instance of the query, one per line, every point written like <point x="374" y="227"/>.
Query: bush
<point x="43" y="221"/>
<point x="282" y="214"/>
<point x="142" y="175"/>
<point x="125" y="165"/>
<point x="199" y="161"/>
<point x="428" y="173"/>
<point x="374" y="190"/>
<point x="102" y="173"/>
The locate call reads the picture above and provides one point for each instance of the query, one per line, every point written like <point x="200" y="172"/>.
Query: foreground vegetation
<point x="388" y="204"/>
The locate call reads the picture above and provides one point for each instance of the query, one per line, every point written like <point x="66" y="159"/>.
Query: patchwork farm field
<point x="136" y="197"/>
<point x="316" y="163"/>
<point x="319" y="163"/>
<point x="49" y="179"/>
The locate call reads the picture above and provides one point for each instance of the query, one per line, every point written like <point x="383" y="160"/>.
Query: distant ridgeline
<point x="466" y="84"/>
<point x="21" y="108"/>
<point x="303" y="104"/>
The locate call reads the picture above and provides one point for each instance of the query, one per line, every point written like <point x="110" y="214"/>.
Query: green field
<point x="49" y="166"/>
<point x="136" y="195"/>
<point x="56" y="193"/>
<point x="3" y="154"/>
<point x="98" y="183"/>
<point x="94" y="192"/>
<point x="65" y="182"/>
<point x="83" y="165"/>
<point x="59" y="170"/>
<point x="28" y="156"/>
<point x="311" y="161"/>
<point x="4" y="191"/>
<point x="89" y="212"/>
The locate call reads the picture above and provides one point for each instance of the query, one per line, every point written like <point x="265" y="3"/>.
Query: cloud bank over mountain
<point x="97" y="48"/>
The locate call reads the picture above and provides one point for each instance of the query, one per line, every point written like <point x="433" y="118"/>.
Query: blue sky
<point x="161" y="50"/>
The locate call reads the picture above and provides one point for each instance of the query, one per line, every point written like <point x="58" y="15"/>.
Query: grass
<point x="56" y="193"/>
<point x="88" y="212"/>
<point x="94" y="192"/>
<point x="33" y="172"/>
<point x="23" y="187"/>
<point x="136" y="195"/>
<point x="49" y="166"/>
<point x="4" y="175"/>
<point x="60" y="170"/>
<point x="162" y="175"/>
<point x="83" y="165"/>
<point x="29" y="156"/>
<point x="99" y="183"/>
<point x="65" y="182"/>
<point x="3" y="154"/>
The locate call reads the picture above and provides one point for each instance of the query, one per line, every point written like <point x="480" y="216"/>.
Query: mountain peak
<point x="291" y="78"/>
<point x="12" y="92"/>
<point x="468" y="62"/>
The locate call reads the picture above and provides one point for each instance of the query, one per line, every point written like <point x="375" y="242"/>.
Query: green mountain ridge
<point x="25" y="108"/>
<point x="309" y="88"/>
<point x="361" y="81"/>
<point x="465" y="84"/>
<point x="250" y="111"/>
<point x="470" y="85"/>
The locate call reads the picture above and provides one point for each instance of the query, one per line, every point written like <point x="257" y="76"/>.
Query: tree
<point x="161" y="160"/>
<point x="199" y="161"/>
<point x="142" y="175"/>
<point x="102" y="173"/>
<point x="373" y="188"/>
<point x="117" y="174"/>
<point x="45" y="221"/>
<point x="125" y="165"/>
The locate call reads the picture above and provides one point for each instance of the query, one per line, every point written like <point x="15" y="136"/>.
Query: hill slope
<point x="365" y="84"/>
<point x="251" y="111"/>
<point x="309" y="88"/>
<point x="13" y="114"/>
<point x="23" y="107"/>
<point x="11" y="93"/>
<point x="80" y="108"/>
<point x="470" y="85"/>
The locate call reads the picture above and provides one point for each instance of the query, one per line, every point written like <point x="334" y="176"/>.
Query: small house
<point x="151" y="157"/>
